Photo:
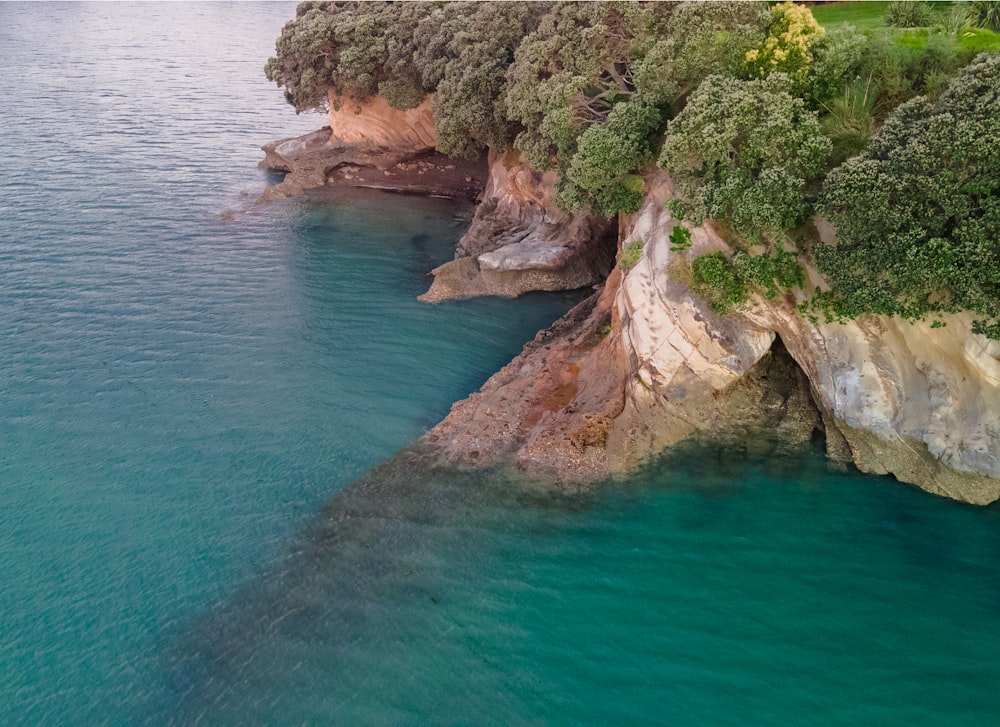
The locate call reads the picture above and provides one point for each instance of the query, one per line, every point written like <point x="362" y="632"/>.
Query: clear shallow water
<point x="180" y="397"/>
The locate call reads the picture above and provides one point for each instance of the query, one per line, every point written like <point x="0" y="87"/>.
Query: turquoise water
<point x="201" y="517"/>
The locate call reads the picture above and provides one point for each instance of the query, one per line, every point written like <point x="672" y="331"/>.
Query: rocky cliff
<point x="645" y="364"/>
<point x="371" y="144"/>
<point x="520" y="240"/>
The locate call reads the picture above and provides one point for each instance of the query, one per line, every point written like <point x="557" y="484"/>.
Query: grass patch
<point x="630" y="255"/>
<point x="978" y="40"/>
<point x="862" y="15"/>
<point x="915" y="38"/>
<point x="973" y="40"/>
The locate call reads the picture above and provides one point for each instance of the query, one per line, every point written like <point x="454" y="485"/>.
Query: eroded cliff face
<point x="646" y="364"/>
<point x="520" y="241"/>
<point x="633" y="370"/>
<point x="377" y="124"/>
<point x="371" y="144"/>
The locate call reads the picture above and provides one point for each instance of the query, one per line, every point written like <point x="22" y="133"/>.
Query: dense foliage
<point x="743" y="151"/>
<point x="749" y="107"/>
<point x="403" y="51"/>
<point x="918" y="213"/>
<point x="791" y="35"/>
<point x="727" y="281"/>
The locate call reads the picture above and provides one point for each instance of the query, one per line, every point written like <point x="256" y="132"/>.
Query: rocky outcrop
<point x="614" y="383"/>
<point x="646" y="364"/>
<point x="903" y="398"/>
<point x="369" y="134"/>
<point x="520" y="241"/>
<point x="375" y="123"/>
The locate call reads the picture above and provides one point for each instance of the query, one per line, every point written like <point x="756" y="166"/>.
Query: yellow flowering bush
<point x="787" y="46"/>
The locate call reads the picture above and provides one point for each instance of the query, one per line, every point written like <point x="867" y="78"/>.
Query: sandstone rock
<point x="366" y="134"/>
<point x="906" y="399"/>
<point x="647" y="364"/>
<point x="375" y="123"/>
<point x="520" y="241"/>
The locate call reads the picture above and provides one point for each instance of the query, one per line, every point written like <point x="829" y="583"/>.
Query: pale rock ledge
<point x="520" y="240"/>
<point x="366" y="133"/>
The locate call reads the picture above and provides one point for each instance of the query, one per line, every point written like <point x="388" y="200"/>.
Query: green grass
<point x="630" y="255"/>
<point x="915" y="38"/>
<point x="862" y="15"/>
<point x="870" y="16"/>
<point x="979" y="40"/>
<point x="975" y="40"/>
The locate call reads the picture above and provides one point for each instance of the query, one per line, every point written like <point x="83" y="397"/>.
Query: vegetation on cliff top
<point x="757" y="112"/>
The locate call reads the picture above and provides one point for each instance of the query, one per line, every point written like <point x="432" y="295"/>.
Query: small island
<point x="790" y="216"/>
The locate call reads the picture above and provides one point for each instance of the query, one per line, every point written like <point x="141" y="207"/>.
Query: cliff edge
<point x="519" y="240"/>
<point x="645" y="364"/>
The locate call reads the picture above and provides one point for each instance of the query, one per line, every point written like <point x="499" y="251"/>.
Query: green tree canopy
<point x="743" y="152"/>
<point x="918" y="213"/>
<point x="403" y="51"/>
<point x="355" y="50"/>
<point x="694" y="42"/>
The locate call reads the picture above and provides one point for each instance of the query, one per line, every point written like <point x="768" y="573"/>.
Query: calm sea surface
<point x="203" y="519"/>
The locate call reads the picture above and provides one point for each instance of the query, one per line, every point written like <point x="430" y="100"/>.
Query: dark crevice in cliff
<point x="771" y="409"/>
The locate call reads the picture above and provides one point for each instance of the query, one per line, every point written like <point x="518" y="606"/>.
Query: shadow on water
<point x="422" y="594"/>
<point x="385" y="576"/>
<point x="388" y="551"/>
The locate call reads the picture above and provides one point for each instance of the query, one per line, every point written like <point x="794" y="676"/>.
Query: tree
<point x="791" y="35"/>
<point x="464" y="50"/>
<point x="572" y="89"/>
<point x="458" y="51"/>
<point x="694" y="42"/>
<point x="918" y="213"/>
<point x="743" y="152"/>
<point x="606" y="159"/>
<point x="355" y="50"/>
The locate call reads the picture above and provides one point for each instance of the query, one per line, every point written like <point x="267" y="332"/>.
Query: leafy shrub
<point x="680" y="238"/>
<point x="606" y="156"/>
<point x="717" y="280"/>
<point x="918" y="213"/>
<point x="697" y="40"/>
<point x="726" y="282"/>
<point x="743" y="152"/>
<point x="908" y="13"/>
<point x="786" y="49"/>
<point x="837" y="61"/>
<point x="985" y="14"/>
<point x="850" y="119"/>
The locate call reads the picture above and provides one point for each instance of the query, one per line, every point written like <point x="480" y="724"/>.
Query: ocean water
<point x="211" y="512"/>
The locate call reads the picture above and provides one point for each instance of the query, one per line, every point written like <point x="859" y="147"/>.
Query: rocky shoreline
<point x="317" y="160"/>
<point x="644" y="364"/>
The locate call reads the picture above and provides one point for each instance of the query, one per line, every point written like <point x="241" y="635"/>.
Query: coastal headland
<point x="744" y="320"/>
